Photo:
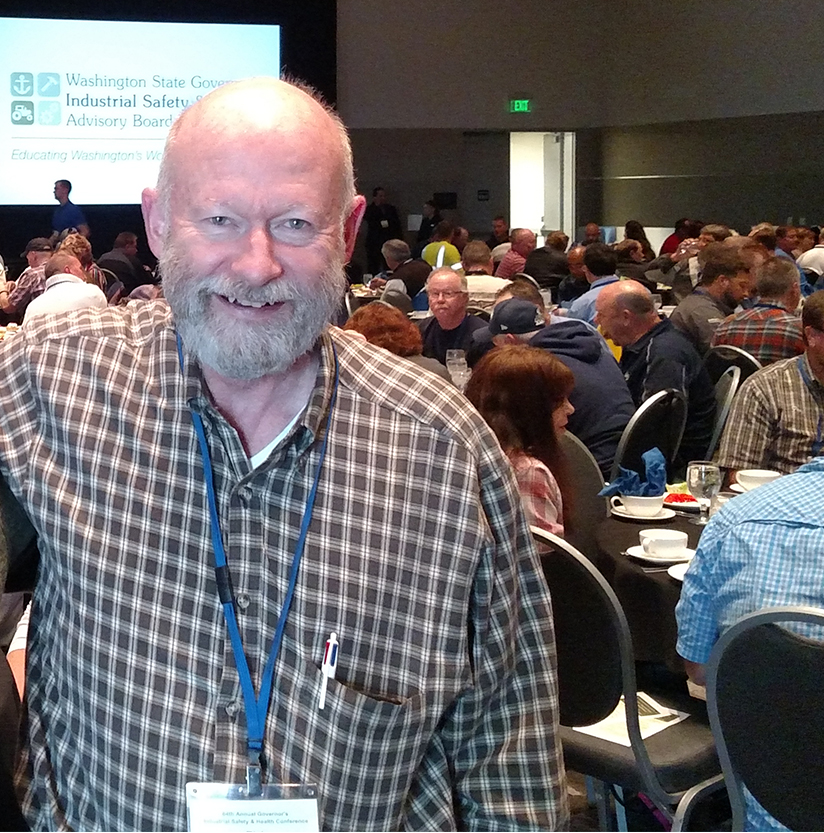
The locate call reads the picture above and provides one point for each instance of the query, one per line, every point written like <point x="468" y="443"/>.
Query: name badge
<point x="217" y="807"/>
<point x="384" y="223"/>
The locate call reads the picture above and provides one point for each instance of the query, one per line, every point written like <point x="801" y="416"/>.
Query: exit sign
<point x="520" y="105"/>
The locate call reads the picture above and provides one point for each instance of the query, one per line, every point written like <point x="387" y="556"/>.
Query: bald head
<point x="625" y="311"/>
<point x="248" y="111"/>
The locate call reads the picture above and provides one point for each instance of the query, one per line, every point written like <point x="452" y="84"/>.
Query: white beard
<point x="249" y="352"/>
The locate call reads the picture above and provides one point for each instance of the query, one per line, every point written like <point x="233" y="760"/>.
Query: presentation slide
<point x="92" y="101"/>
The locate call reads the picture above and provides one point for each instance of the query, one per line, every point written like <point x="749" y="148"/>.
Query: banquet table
<point x="646" y="591"/>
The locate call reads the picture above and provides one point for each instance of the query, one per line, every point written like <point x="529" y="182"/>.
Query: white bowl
<point x="753" y="478"/>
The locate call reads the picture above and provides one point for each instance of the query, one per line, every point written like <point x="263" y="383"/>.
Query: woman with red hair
<point x="388" y="327"/>
<point x="522" y="393"/>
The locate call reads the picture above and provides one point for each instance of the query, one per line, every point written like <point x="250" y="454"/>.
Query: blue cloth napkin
<point x="629" y="482"/>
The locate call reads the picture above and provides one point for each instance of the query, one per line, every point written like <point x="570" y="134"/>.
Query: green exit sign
<point x="520" y="105"/>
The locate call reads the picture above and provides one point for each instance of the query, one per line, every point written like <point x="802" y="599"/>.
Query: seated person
<point x="66" y="289"/>
<point x="725" y="282"/>
<point x="450" y="327"/>
<point x="777" y="418"/>
<point x="763" y="549"/>
<point x="15" y="296"/>
<point x="771" y="329"/>
<point x="548" y="264"/>
<point x="655" y="357"/>
<point x="523" y="394"/>
<point x="523" y="242"/>
<point x="478" y="266"/>
<point x="600" y="263"/>
<point x="601" y="399"/>
<point x="387" y="327"/>
<point x="122" y="260"/>
<point x="441" y="251"/>
<point x="575" y="284"/>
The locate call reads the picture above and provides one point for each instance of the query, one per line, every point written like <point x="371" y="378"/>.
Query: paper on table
<point x="652" y="716"/>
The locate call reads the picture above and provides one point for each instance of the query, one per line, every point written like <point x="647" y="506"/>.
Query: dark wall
<point x="737" y="171"/>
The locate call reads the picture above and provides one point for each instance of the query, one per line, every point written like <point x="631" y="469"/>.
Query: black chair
<point x="766" y="708"/>
<point x="587" y="510"/>
<point x="674" y="768"/>
<point x="725" y="389"/>
<point x="658" y="422"/>
<point x="722" y="356"/>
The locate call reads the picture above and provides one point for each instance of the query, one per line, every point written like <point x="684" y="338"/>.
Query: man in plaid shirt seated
<point x="771" y="329"/>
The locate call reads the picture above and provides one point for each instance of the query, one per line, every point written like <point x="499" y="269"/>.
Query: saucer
<point x="677" y="571"/>
<point x="738" y="488"/>
<point x="663" y="515"/>
<point x="638" y="552"/>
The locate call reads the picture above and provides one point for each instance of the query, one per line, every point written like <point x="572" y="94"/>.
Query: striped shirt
<point x="766" y="331"/>
<point x="763" y="549"/>
<point x="443" y="714"/>
<point x="777" y="419"/>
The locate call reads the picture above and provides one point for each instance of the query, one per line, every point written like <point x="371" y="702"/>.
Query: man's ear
<point x="352" y="224"/>
<point x="154" y="220"/>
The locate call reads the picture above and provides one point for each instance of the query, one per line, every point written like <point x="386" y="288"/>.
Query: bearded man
<point x="270" y="554"/>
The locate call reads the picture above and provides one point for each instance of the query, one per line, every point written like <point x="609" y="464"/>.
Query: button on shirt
<point x="444" y="710"/>
<point x="763" y="549"/>
<point x="776" y="421"/>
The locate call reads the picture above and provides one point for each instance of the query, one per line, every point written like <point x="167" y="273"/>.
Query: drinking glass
<point x="704" y="483"/>
<point x="657" y="300"/>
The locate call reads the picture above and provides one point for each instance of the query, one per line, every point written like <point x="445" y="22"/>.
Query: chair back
<point x="586" y="509"/>
<point x="725" y="390"/>
<point x="722" y="356"/>
<point x="658" y="422"/>
<point x="479" y="312"/>
<point x="351" y="302"/>
<point x="766" y="708"/>
<point x="591" y="633"/>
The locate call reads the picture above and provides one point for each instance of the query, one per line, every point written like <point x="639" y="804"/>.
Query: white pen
<point x="330" y="664"/>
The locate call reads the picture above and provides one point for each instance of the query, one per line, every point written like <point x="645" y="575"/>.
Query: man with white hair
<point x="270" y="554"/>
<point x="450" y="327"/>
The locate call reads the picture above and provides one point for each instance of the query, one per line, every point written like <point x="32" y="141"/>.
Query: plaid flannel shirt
<point x="766" y="331"/>
<point x="444" y="710"/>
<point x="776" y="421"/>
<point x="540" y="494"/>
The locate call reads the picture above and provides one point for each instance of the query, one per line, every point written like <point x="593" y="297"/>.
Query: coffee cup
<point x="750" y="479"/>
<point x="663" y="543"/>
<point x="642" y="507"/>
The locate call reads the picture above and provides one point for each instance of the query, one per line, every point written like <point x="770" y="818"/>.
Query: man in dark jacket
<point x="656" y="357"/>
<point x="602" y="401"/>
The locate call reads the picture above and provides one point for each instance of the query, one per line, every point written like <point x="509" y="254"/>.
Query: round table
<point x="646" y="591"/>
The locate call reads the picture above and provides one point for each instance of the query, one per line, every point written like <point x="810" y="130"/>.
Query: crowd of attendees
<point x="596" y="309"/>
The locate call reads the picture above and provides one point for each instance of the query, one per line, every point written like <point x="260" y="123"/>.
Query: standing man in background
<point x="382" y="224"/>
<point x="67" y="215"/>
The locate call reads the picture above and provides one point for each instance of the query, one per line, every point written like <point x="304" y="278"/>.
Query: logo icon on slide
<point x="48" y="84"/>
<point x="48" y="112"/>
<point x="22" y="83"/>
<point x="22" y="112"/>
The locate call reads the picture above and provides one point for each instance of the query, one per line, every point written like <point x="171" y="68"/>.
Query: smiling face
<point x="253" y="235"/>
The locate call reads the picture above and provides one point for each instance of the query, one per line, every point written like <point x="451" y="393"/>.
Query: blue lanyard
<point x="256" y="708"/>
<point x="805" y="376"/>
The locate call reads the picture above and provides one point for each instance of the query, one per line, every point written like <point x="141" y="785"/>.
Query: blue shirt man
<point x="67" y="214"/>
<point x="600" y="263"/>
<point x="764" y="549"/>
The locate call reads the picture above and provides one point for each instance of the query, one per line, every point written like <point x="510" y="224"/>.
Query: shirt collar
<point x="314" y="415"/>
